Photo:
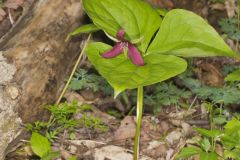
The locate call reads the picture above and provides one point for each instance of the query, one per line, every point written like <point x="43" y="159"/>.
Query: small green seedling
<point x="42" y="147"/>
<point x="73" y="158"/>
<point x="234" y="76"/>
<point x="229" y="138"/>
<point x="62" y="118"/>
<point x="140" y="57"/>
<point x="205" y="148"/>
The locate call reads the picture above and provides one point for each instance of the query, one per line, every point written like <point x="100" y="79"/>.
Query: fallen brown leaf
<point x="209" y="74"/>
<point x="13" y="4"/>
<point x="162" y="3"/>
<point x="2" y="14"/>
<point x="230" y="7"/>
<point x="217" y="6"/>
<point x="126" y="129"/>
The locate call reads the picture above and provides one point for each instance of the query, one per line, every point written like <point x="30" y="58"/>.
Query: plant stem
<point x="74" y="70"/>
<point x="238" y="19"/>
<point x="139" y="119"/>
<point x="211" y="128"/>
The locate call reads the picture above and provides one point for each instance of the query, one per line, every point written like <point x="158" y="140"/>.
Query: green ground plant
<point x="229" y="26"/>
<point x="84" y="80"/>
<point x="165" y="94"/>
<point x="42" y="147"/>
<point x="226" y="95"/>
<point x="62" y="118"/>
<point x="228" y="138"/>
<point x="206" y="147"/>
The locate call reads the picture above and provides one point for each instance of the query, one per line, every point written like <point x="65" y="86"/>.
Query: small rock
<point x="126" y="130"/>
<point x="114" y="153"/>
<point x="161" y="150"/>
<point x="65" y="154"/>
<point x="72" y="149"/>
<point x="173" y="137"/>
<point x="165" y="126"/>
<point x="12" y="91"/>
<point x="169" y="154"/>
<point x="186" y="129"/>
<point x="154" y="144"/>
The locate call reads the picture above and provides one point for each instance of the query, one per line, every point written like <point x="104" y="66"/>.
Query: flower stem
<point x="139" y="119"/>
<point x="74" y="70"/>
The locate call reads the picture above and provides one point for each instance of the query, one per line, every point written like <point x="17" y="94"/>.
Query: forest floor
<point x="92" y="125"/>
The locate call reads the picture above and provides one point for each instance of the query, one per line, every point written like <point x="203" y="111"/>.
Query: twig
<point x="194" y="100"/>
<point x="10" y="16"/>
<point x="139" y="120"/>
<point x="178" y="150"/>
<point x="74" y="70"/>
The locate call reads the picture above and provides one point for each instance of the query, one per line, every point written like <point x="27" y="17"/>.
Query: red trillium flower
<point x="119" y="47"/>
<point x="115" y="51"/>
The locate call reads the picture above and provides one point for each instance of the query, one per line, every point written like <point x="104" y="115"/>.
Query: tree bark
<point x="34" y="62"/>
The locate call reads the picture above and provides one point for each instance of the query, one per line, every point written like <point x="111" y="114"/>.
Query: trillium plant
<point x="149" y="47"/>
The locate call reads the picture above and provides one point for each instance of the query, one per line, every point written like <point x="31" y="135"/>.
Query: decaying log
<point x="34" y="62"/>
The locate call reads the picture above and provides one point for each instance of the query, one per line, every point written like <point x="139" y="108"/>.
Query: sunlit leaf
<point x="137" y="18"/>
<point x="88" y="28"/>
<point x="208" y="156"/>
<point x="40" y="144"/>
<point x="188" y="152"/>
<point x="208" y="133"/>
<point x="122" y="74"/>
<point x="234" y="76"/>
<point x="186" y="34"/>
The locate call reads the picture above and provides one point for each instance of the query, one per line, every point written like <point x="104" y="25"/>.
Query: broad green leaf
<point x="229" y="141"/>
<point x="208" y="156"/>
<point x="208" y="133"/>
<point x="233" y="154"/>
<point x="234" y="76"/>
<point x="205" y="144"/>
<point x="162" y="12"/>
<point x="220" y="119"/>
<point x="188" y="152"/>
<point x="40" y="144"/>
<point x="51" y="156"/>
<point x="186" y="34"/>
<point x="232" y="126"/>
<point x="73" y="158"/>
<point x="231" y="137"/>
<point x="88" y="28"/>
<point x="122" y="74"/>
<point x="137" y="18"/>
<point x="229" y="154"/>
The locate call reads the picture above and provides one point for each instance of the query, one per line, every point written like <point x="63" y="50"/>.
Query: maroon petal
<point x="115" y="51"/>
<point x="135" y="55"/>
<point x="120" y="34"/>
